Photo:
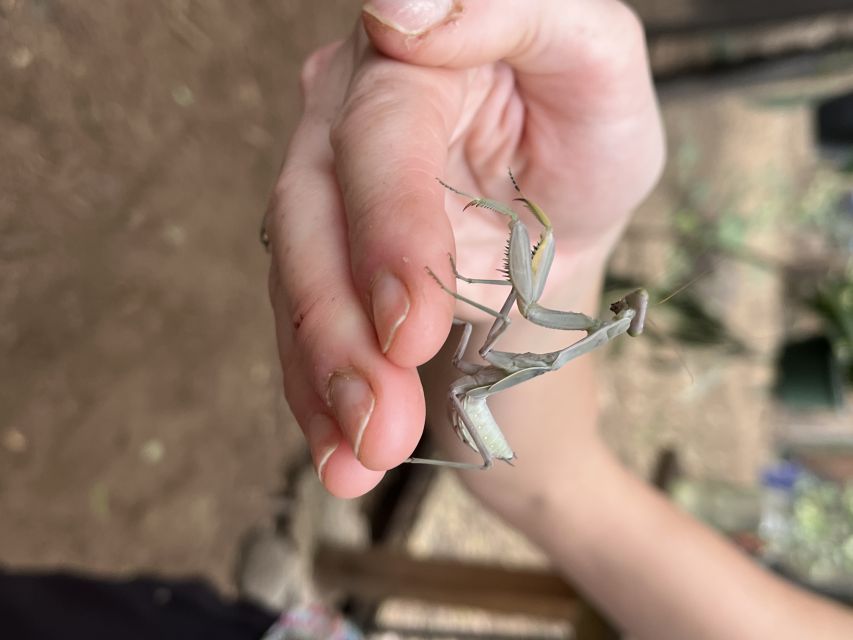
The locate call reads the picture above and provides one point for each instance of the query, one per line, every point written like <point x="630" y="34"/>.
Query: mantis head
<point x="638" y="301"/>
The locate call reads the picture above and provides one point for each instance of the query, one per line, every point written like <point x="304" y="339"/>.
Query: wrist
<point x="568" y="511"/>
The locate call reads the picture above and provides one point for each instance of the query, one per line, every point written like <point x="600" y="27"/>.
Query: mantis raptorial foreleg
<point x="527" y="270"/>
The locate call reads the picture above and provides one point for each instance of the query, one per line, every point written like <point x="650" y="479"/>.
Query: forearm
<point x="656" y="571"/>
<point x="661" y="574"/>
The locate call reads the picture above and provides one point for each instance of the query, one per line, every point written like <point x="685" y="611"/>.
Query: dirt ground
<point x="141" y="420"/>
<point x="139" y="392"/>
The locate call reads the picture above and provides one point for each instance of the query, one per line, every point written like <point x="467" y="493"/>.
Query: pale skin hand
<point x="559" y="90"/>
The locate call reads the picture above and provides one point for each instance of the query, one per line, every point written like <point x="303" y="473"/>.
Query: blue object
<point x="781" y="475"/>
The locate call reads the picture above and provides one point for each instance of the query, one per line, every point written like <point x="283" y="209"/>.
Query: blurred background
<point x="142" y="425"/>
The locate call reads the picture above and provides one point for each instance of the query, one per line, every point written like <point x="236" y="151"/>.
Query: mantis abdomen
<point x="481" y="418"/>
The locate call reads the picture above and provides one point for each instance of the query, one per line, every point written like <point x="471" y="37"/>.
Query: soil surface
<point x="141" y="420"/>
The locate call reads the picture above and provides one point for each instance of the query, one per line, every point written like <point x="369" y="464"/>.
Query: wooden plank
<point x="392" y="509"/>
<point x="663" y="17"/>
<point x="377" y="574"/>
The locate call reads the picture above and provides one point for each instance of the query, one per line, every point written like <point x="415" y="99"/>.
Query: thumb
<point x="596" y="44"/>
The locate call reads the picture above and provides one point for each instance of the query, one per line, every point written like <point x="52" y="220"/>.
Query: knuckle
<point x="627" y="28"/>
<point x="309" y="71"/>
<point x="617" y="46"/>
<point x="289" y="193"/>
<point x="315" y="66"/>
<point x="377" y="207"/>
<point x="374" y="98"/>
<point x="626" y="17"/>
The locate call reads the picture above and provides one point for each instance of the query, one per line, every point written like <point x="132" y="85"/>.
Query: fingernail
<point x="389" y="301"/>
<point x="323" y="440"/>
<point x="409" y="17"/>
<point x="352" y="401"/>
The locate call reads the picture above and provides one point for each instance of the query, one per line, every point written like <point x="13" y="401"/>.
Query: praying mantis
<point x="526" y="272"/>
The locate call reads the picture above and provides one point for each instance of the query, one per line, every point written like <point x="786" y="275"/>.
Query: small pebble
<point x="21" y="58"/>
<point x="152" y="452"/>
<point x="175" y="235"/>
<point x="99" y="500"/>
<point x="183" y="96"/>
<point x="14" y="441"/>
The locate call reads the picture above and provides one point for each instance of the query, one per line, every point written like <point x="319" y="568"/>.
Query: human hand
<point x="461" y="90"/>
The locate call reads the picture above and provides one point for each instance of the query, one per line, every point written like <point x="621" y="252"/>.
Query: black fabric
<point x="70" y="607"/>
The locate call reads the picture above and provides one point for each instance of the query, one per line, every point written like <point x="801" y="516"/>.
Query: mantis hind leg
<point x="451" y="464"/>
<point x="479" y="444"/>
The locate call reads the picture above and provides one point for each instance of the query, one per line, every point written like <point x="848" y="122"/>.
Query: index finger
<point x="391" y="143"/>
